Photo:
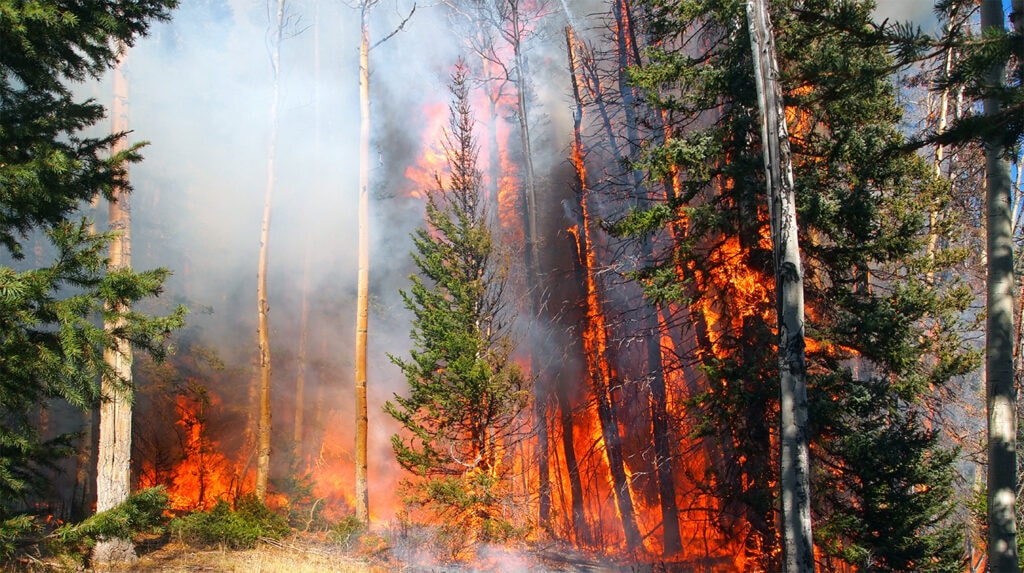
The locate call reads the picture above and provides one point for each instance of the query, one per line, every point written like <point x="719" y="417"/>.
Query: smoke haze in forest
<point x="200" y="91"/>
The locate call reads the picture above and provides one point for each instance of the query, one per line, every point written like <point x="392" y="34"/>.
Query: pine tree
<point x="51" y="345"/>
<point x="873" y="322"/>
<point x="465" y="393"/>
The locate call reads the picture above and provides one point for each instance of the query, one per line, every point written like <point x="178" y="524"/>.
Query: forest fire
<point x="597" y="365"/>
<point x="203" y="475"/>
<point x="432" y="162"/>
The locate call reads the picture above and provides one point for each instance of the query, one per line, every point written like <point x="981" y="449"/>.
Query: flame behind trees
<point x="465" y="392"/>
<point x="868" y="306"/>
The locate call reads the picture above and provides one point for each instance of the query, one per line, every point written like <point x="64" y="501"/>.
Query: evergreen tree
<point x="880" y="333"/>
<point x="51" y="343"/>
<point x="465" y="393"/>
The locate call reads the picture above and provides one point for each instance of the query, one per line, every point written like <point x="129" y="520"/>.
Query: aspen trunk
<point x="934" y="216"/>
<point x="362" y="500"/>
<point x="999" y="389"/>
<point x="113" y="470"/>
<point x="263" y="426"/>
<point x="540" y="390"/>
<point x="797" y="548"/>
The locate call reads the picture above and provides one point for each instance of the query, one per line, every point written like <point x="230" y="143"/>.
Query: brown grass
<point x="295" y="555"/>
<point x="374" y="552"/>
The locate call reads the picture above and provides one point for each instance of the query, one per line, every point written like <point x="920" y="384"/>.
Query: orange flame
<point x="204" y="474"/>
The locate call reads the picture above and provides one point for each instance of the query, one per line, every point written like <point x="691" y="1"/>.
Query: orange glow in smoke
<point x="432" y="161"/>
<point x="204" y="474"/>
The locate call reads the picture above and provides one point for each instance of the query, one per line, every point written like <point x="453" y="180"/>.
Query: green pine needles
<point x="465" y="392"/>
<point x="51" y="341"/>
<point x="882" y="310"/>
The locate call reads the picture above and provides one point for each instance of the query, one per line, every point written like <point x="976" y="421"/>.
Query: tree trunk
<point x="797" y="549"/>
<point x="533" y="286"/>
<point x="579" y="518"/>
<point x="628" y="55"/>
<point x="580" y="529"/>
<point x="113" y="471"/>
<point x="999" y="389"/>
<point x="662" y="444"/>
<point x="262" y="304"/>
<point x="595" y="343"/>
<point x="934" y="216"/>
<point x="362" y="500"/>
<point x="300" y="376"/>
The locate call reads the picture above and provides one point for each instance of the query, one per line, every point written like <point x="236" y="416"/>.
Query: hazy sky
<point x="921" y="12"/>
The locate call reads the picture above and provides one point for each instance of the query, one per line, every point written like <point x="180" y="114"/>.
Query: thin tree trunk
<point x="579" y="518"/>
<point x="113" y="472"/>
<point x="628" y="55"/>
<point x="540" y="390"/>
<point x="797" y="548"/>
<point x="362" y="500"/>
<point x="263" y="426"/>
<point x="1002" y="422"/>
<point x="934" y="216"/>
<point x="595" y="345"/>
<point x="300" y="376"/>
<point x="580" y="529"/>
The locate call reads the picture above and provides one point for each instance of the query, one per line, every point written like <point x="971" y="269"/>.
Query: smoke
<point x="918" y="12"/>
<point x="200" y="88"/>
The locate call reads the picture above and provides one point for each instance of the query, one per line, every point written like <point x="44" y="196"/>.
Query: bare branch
<point x="400" y="27"/>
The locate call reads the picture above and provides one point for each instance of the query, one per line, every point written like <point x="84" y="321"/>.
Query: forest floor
<point x="314" y="553"/>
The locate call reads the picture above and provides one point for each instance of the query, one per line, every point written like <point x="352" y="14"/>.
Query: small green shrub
<point x="347" y="529"/>
<point x="465" y="510"/>
<point x="238" y="528"/>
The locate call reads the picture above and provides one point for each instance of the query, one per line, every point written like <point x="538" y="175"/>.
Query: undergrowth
<point x="238" y="528"/>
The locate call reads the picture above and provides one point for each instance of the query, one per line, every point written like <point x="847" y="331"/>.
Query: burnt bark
<point x="595" y="345"/>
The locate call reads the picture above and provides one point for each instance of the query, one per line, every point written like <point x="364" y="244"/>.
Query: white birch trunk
<point x="797" y="543"/>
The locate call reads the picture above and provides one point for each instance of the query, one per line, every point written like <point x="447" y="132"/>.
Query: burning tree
<point x="881" y="336"/>
<point x="465" y="393"/>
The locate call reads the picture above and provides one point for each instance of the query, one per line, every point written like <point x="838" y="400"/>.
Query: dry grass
<point x="378" y="552"/>
<point x="299" y="553"/>
<point x="295" y="555"/>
